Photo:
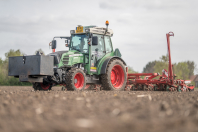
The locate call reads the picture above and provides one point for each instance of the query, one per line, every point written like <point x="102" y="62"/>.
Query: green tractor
<point x="90" y="60"/>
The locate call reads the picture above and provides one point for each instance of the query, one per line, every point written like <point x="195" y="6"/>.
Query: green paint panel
<point x="70" y="58"/>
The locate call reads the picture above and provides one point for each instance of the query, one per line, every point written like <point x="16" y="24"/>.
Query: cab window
<point x="108" y="45"/>
<point x="79" y="43"/>
<point x="100" y="46"/>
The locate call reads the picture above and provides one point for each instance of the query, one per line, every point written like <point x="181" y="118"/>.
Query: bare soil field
<point x="22" y="109"/>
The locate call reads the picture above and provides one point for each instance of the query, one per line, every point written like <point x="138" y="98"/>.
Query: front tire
<point x="75" y="79"/>
<point x="115" y="77"/>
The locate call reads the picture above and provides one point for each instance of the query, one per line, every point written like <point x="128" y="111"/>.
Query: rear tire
<point x="75" y="79"/>
<point x="115" y="77"/>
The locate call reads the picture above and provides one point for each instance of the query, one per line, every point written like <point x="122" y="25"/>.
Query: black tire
<point x="74" y="76"/>
<point x="42" y="86"/>
<point x="117" y="68"/>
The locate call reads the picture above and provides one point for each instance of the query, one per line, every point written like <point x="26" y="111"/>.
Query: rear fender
<point x="105" y="63"/>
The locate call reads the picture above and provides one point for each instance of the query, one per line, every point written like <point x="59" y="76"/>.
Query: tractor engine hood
<point x="71" y="58"/>
<point x="57" y="56"/>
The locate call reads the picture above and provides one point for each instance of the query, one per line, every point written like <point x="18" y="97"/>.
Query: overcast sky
<point x="139" y="26"/>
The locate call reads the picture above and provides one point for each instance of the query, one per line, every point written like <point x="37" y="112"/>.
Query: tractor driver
<point x="82" y="47"/>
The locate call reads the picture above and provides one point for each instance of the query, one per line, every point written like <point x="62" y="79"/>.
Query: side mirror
<point x="94" y="40"/>
<point x="67" y="43"/>
<point x="53" y="44"/>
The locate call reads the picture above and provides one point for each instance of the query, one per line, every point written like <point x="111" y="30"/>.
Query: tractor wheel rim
<point x="45" y="86"/>
<point x="117" y="76"/>
<point x="79" y="80"/>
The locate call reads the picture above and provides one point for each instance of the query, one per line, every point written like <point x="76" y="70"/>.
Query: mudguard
<point x="105" y="63"/>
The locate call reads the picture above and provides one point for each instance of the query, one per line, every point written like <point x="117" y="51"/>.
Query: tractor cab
<point x="93" y="43"/>
<point x="90" y="60"/>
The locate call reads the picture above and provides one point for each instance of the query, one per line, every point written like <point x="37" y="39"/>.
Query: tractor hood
<point x="71" y="58"/>
<point x="57" y="56"/>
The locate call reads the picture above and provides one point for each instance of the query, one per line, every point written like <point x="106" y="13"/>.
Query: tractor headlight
<point x="72" y="31"/>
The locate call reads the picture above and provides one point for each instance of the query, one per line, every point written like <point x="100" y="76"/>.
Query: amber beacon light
<point x="107" y="22"/>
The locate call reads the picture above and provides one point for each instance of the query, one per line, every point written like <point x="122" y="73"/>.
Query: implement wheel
<point x="115" y="77"/>
<point x="75" y="79"/>
<point x="42" y="86"/>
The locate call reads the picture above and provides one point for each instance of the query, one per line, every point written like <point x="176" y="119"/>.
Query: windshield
<point x="79" y="43"/>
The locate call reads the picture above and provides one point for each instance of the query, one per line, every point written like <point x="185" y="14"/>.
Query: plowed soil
<point x="22" y="109"/>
